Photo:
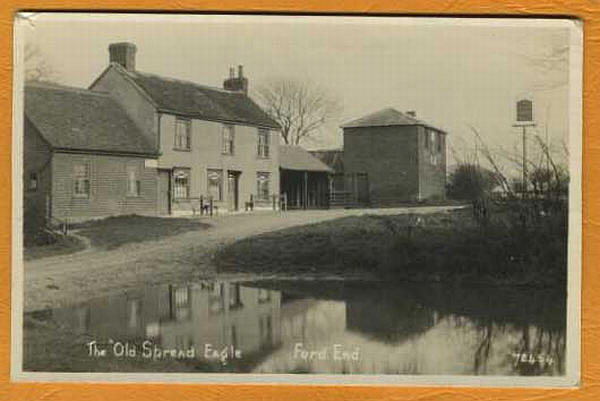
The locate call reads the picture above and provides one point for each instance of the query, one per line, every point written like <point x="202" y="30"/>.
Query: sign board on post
<point x="524" y="110"/>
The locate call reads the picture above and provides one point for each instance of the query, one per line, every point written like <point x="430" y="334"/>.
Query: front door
<point x="233" y="189"/>
<point x="164" y="192"/>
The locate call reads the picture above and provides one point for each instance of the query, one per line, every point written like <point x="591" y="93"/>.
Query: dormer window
<point x="182" y="134"/>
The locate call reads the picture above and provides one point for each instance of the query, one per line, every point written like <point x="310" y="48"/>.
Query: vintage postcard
<point x="297" y="199"/>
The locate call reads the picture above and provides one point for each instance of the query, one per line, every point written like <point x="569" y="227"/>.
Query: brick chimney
<point x="236" y="84"/>
<point x="411" y="113"/>
<point x="123" y="53"/>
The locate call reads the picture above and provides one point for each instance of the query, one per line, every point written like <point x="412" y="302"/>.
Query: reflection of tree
<point x="482" y="352"/>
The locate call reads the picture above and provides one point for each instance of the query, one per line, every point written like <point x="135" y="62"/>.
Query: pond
<point x="304" y="326"/>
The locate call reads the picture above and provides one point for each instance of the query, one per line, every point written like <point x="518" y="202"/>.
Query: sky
<point x="454" y="73"/>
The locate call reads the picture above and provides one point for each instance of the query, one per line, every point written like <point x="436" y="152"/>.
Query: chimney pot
<point x="123" y="53"/>
<point x="231" y="72"/>
<point x="240" y="71"/>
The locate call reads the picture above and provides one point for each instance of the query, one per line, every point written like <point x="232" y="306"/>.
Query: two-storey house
<point x="212" y="142"/>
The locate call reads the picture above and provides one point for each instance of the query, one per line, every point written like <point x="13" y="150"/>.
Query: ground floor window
<point x="133" y="182"/>
<point x="181" y="183"/>
<point x="263" y="186"/>
<point x="215" y="184"/>
<point x="33" y="182"/>
<point x="81" y="180"/>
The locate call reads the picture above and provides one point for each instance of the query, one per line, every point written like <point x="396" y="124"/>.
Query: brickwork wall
<point x="432" y="166"/>
<point x="389" y="156"/>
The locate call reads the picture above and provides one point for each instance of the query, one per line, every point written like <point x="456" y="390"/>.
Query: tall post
<point x="524" y="184"/>
<point x="305" y="189"/>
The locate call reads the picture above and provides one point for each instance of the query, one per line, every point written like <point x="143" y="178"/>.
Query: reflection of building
<point x="217" y="313"/>
<point x="221" y="314"/>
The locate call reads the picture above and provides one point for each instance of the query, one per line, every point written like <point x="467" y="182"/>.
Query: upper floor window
<point x="133" y="182"/>
<point x="181" y="183"/>
<point x="182" y="134"/>
<point x="81" y="180"/>
<point x="263" y="143"/>
<point x="439" y="142"/>
<point x="227" y="139"/>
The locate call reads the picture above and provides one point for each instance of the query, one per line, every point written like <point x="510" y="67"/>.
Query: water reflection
<point x="300" y="327"/>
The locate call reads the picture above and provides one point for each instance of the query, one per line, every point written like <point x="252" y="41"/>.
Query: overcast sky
<point x="453" y="73"/>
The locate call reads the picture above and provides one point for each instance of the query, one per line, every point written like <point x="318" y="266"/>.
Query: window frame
<point x="188" y="173"/>
<point x="87" y="177"/>
<point x="228" y="139"/>
<point x="33" y="182"/>
<point x="208" y="182"/>
<point x="264" y="148"/>
<point x="259" y="196"/>
<point x="136" y="179"/>
<point x="188" y="135"/>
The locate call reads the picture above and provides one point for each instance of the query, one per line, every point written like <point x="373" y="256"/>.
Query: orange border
<point x="588" y="11"/>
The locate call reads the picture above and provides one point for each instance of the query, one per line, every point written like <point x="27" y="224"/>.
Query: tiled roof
<point x="334" y="158"/>
<point x="80" y="119"/>
<point x="385" y="118"/>
<point x="202" y="102"/>
<point x="296" y="158"/>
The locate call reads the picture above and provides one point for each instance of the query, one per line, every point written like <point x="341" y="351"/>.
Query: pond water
<point x="305" y="326"/>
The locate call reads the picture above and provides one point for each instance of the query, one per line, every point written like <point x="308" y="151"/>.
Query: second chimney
<point x="236" y="84"/>
<point x="123" y="53"/>
<point x="411" y="113"/>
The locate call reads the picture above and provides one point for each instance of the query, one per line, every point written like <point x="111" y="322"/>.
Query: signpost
<point x="524" y="120"/>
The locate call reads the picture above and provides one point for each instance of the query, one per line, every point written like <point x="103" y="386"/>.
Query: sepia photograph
<point x="297" y="199"/>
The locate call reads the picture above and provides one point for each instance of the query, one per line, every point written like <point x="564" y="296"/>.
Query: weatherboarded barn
<point x="83" y="157"/>
<point x="305" y="180"/>
<point x="404" y="158"/>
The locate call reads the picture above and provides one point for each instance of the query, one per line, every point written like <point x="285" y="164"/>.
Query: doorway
<point x="233" y="180"/>
<point x="164" y="192"/>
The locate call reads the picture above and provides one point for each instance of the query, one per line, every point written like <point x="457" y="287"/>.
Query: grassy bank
<point x="112" y="233"/>
<point x="448" y="247"/>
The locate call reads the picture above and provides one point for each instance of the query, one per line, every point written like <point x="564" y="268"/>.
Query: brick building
<point x="84" y="157"/>
<point x="212" y="142"/>
<point x="399" y="157"/>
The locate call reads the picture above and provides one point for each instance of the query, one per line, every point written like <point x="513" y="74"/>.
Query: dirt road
<point x="52" y="281"/>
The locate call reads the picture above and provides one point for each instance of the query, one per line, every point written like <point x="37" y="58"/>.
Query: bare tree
<point x="300" y="107"/>
<point x="36" y="68"/>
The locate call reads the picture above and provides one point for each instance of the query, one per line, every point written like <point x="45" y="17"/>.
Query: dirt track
<point x="51" y="281"/>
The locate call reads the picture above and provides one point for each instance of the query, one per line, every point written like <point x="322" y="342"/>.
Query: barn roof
<point x="334" y="158"/>
<point x="81" y="119"/>
<point x="296" y="158"/>
<point x="199" y="101"/>
<point x="385" y="118"/>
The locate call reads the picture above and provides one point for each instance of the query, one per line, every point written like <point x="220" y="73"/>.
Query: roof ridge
<point x="183" y="81"/>
<point x="56" y="86"/>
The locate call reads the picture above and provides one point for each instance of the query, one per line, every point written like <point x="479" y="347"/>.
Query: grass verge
<point x="113" y="232"/>
<point x="63" y="246"/>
